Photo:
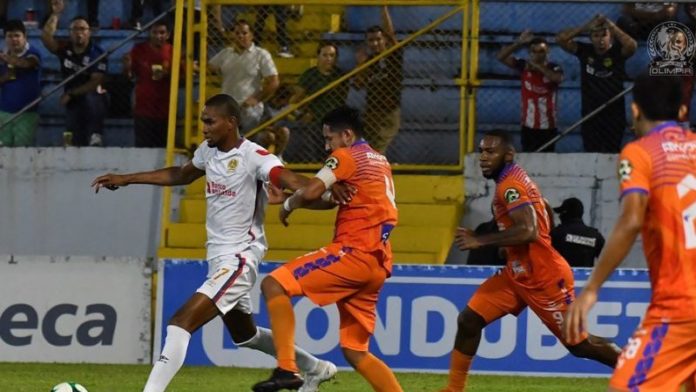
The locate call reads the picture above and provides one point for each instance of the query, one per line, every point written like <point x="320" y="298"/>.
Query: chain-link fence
<point x="122" y="100"/>
<point x="273" y="57"/>
<point x="576" y="57"/>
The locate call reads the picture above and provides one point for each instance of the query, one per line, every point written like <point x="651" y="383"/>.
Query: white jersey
<point x="236" y="196"/>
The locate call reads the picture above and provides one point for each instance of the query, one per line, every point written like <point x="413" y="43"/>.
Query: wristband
<point x="286" y="205"/>
<point x="326" y="196"/>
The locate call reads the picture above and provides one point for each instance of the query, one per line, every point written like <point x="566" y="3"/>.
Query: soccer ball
<point x="68" y="387"/>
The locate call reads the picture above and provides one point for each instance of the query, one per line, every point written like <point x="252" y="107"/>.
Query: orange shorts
<point x="501" y="295"/>
<point x="659" y="357"/>
<point x="347" y="277"/>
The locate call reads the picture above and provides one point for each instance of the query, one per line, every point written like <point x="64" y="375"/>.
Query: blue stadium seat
<point x="419" y="62"/>
<point x="426" y="103"/>
<point x="499" y="102"/>
<point x="508" y="17"/>
<point x="404" y="18"/>
<point x="432" y="145"/>
<point x="434" y="62"/>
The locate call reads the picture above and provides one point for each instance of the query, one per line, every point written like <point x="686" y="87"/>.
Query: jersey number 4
<point x="391" y="193"/>
<point x="689" y="213"/>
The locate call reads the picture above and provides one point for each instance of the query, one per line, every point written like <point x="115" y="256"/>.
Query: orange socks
<point x="459" y="371"/>
<point x="378" y="374"/>
<point x="283" y="326"/>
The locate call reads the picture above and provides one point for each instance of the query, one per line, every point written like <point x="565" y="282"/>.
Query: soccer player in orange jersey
<point x="657" y="176"/>
<point x="535" y="275"/>
<point x="352" y="269"/>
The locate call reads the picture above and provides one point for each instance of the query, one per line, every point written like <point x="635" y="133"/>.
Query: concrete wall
<point x="48" y="208"/>
<point x="589" y="177"/>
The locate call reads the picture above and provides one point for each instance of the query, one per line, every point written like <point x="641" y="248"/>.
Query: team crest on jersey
<point x="331" y="163"/>
<point x="511" y="195"/>
<point x="232" y="165"/>
<point x="625" y="169"/>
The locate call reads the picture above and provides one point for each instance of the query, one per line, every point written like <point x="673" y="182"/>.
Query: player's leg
<point x="355" y="338"/>
<point x="197" y="311"/>
<point x="597" y="348"/>
<point x="229" y="279"/>
<point x="358" y="314"/>
<point x="491" y="301"/>
<point x="307" y="275"/>
<point x="551" y="303"/>
<point x="245" y="333"/>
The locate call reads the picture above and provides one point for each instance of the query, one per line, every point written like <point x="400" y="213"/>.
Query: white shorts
<point x="230" y="279"/>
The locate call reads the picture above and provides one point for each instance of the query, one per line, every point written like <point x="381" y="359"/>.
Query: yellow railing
<point x="467" y="81"/>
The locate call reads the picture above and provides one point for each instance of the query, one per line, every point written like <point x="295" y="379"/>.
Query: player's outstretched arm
<point x="175" y="175"/>
<point x="623" y="235"/>
<point x="523" y="230"/>
<point x="303" y="197"/>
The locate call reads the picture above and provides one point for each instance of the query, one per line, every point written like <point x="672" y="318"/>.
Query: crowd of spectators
<point x="602" y="63"/>
<point x="250" y="75"/>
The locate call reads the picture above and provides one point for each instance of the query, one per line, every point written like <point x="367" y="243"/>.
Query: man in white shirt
<point x="248" y="74"/>
<point x="237" y="172"/>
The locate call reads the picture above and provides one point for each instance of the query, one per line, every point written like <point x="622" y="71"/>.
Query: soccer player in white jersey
<point x="237" y="172"/>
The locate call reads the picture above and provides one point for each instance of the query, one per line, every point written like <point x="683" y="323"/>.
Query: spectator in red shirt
<point x="540" y="80"/>
<point x="150" y="64"/>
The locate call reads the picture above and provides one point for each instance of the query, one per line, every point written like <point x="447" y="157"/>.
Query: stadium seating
<point x="548" y="18"/>
<point x="404" y="18"/>
<point x="429" y="210"/>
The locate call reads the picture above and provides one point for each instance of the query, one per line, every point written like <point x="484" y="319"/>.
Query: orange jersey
<point x="366" y="222"/>
<point x="537" y="263"/>
<point x="662" y="165"/>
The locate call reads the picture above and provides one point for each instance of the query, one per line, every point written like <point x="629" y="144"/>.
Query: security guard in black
<point x="578" y="243"/>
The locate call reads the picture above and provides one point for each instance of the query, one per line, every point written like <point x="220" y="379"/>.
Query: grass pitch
<point x="33" y="377"/>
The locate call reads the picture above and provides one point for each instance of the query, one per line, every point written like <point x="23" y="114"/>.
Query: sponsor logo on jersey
<point x="232" y="165"/>
<point x="625" y="170"/>
<point x="511" y="195"/>
<point x="331" y="163"/>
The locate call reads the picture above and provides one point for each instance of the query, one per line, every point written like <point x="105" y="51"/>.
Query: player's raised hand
<point x="526" y="37"/>
<point x="466" y="239"/>
<point x="575" y="321"/>
<point x="342" y="193"/>
<point x="109" y="181"/>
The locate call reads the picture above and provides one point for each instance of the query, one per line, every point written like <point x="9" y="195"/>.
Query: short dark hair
<point x="162" y="22"/>
<point x="658" y="97"/>
<point x="227" y="103"/>
<point x="14" y="25"/>
<point x="79" y="17"/>
<point x="504" y="136"/>
<point x="374" y="29"/>
<point x="538" y="41"/>
<point x="239" y="22"/>
<point x="324" y="44"/>
<point x="342" y="118"/>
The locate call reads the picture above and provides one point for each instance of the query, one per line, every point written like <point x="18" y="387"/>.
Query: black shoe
<point x="280" y="379"/>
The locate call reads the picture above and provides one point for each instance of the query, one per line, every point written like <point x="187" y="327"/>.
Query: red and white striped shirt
<point x="538" y="95"/>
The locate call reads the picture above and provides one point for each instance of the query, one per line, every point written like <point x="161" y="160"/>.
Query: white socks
<point x="170" y="360"/>
<point x="263" y="341"/>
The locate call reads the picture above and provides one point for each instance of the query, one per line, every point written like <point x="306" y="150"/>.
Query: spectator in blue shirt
<point x="83" y="97"/>
<point x="20" y="77"/>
